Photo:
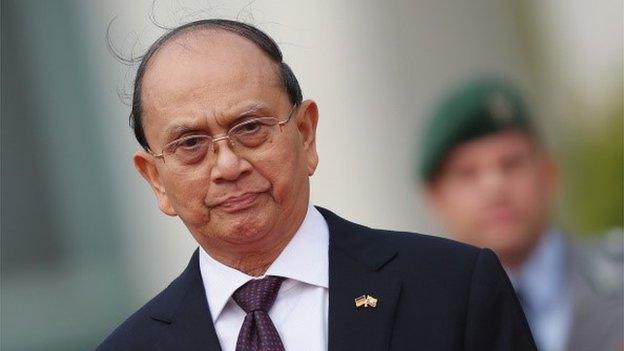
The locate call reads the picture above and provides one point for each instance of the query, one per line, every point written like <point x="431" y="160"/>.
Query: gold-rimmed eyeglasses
<point x="186" y="153"/>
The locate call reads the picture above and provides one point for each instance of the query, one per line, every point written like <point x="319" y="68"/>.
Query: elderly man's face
<point x="204" y="83"/>
<point x="496" y="192"/>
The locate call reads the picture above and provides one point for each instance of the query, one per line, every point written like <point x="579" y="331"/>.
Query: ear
<point x="306" y="123"/>
<point x="145" y="164"/>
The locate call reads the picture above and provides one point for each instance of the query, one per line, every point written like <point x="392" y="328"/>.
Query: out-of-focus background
<point x="83" y="242"/>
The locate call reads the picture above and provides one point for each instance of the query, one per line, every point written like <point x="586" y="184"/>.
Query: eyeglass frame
<point x="224" y="136"/>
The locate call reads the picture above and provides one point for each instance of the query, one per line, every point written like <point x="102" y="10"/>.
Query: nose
<point x="493" y="184"/>
<point x="493" y="178"/>
<point x="228" y="166"/>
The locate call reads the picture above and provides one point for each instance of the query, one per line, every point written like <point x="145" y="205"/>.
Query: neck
<point x="514" y="260"/>
<point x="254" y="262"/>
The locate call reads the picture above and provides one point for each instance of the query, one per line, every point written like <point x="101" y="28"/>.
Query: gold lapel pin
<point x="365" y="301"/>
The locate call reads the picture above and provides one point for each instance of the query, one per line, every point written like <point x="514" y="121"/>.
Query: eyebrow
<point x="177" y="129"/>
<point x="251" y="110"/>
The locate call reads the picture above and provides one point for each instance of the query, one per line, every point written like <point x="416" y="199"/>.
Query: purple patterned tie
<point x="256" y="298"/>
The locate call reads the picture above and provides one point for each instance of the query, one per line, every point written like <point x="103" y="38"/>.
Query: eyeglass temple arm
<point x="160" y="155"/>
<point x="292" y="110"/>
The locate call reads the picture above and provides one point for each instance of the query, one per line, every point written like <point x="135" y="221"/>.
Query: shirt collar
<point x="304" y="259"/>
<point x="542" y="276"/>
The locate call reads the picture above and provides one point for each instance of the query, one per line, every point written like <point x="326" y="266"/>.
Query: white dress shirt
<point x="300" y="310"/>
<point x="542" y="281"/>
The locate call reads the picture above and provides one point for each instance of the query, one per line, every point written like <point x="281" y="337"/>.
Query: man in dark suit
<point x="229" y="146"/>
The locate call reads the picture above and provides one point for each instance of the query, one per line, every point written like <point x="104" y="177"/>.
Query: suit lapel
<point x="359" y="265"/>
<point x="186" y="314"/>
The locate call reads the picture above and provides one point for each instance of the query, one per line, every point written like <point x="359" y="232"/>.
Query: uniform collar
<point x="542" y="278"/>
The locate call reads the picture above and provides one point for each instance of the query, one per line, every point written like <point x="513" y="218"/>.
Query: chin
<point x="497" y="236"/>
<point x="508" y="243"/>
<point x="247" y="228"/>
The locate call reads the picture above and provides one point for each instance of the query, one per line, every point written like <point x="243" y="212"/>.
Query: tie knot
<point x="258" y="294"/>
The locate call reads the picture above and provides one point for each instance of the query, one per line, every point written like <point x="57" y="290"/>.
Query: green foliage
<point x="593" y="174"/>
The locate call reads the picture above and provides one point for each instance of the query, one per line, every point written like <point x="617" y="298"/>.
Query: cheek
<point x="187" y="197"/>
<point x="285" y="180"/>
<point x="283" y="165"/>
<point x="459" y="205"/>
<point x="528" y="194"/>
<point x="465" y="199"/>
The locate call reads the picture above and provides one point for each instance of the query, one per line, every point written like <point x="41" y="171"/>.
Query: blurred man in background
<point x="492" y="183"/>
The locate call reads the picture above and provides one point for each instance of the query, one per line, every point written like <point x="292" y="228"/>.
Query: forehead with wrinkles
<point x="206" y="64"/>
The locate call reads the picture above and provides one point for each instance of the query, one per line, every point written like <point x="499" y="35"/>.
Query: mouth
<point x="501" y="217"/>
<point x="239" y="202"/>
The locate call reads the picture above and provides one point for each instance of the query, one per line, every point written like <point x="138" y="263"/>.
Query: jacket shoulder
<point x="422" y="253"/>
<point x="426" y="242"/>
<point x="413" y="249"/>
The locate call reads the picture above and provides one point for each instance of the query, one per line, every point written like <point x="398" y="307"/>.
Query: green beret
<point x="475" y="109"/>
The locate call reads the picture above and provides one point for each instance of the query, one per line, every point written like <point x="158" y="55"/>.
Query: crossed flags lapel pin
<point x="365" y="301"/>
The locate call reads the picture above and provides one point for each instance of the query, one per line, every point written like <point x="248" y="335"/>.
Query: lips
<point x="239" y="202"/>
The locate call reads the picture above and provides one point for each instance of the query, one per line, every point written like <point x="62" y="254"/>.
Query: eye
<point x="189" y="143"/>
<point x="463" y="173"/>
<point x="515" y="162"/>
<point x="249" y="127"/>
<point x="254" y="132"/>
<point x="190" y="149"/>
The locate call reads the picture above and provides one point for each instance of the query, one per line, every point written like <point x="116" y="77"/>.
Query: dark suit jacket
<point x="433" y="294"/>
